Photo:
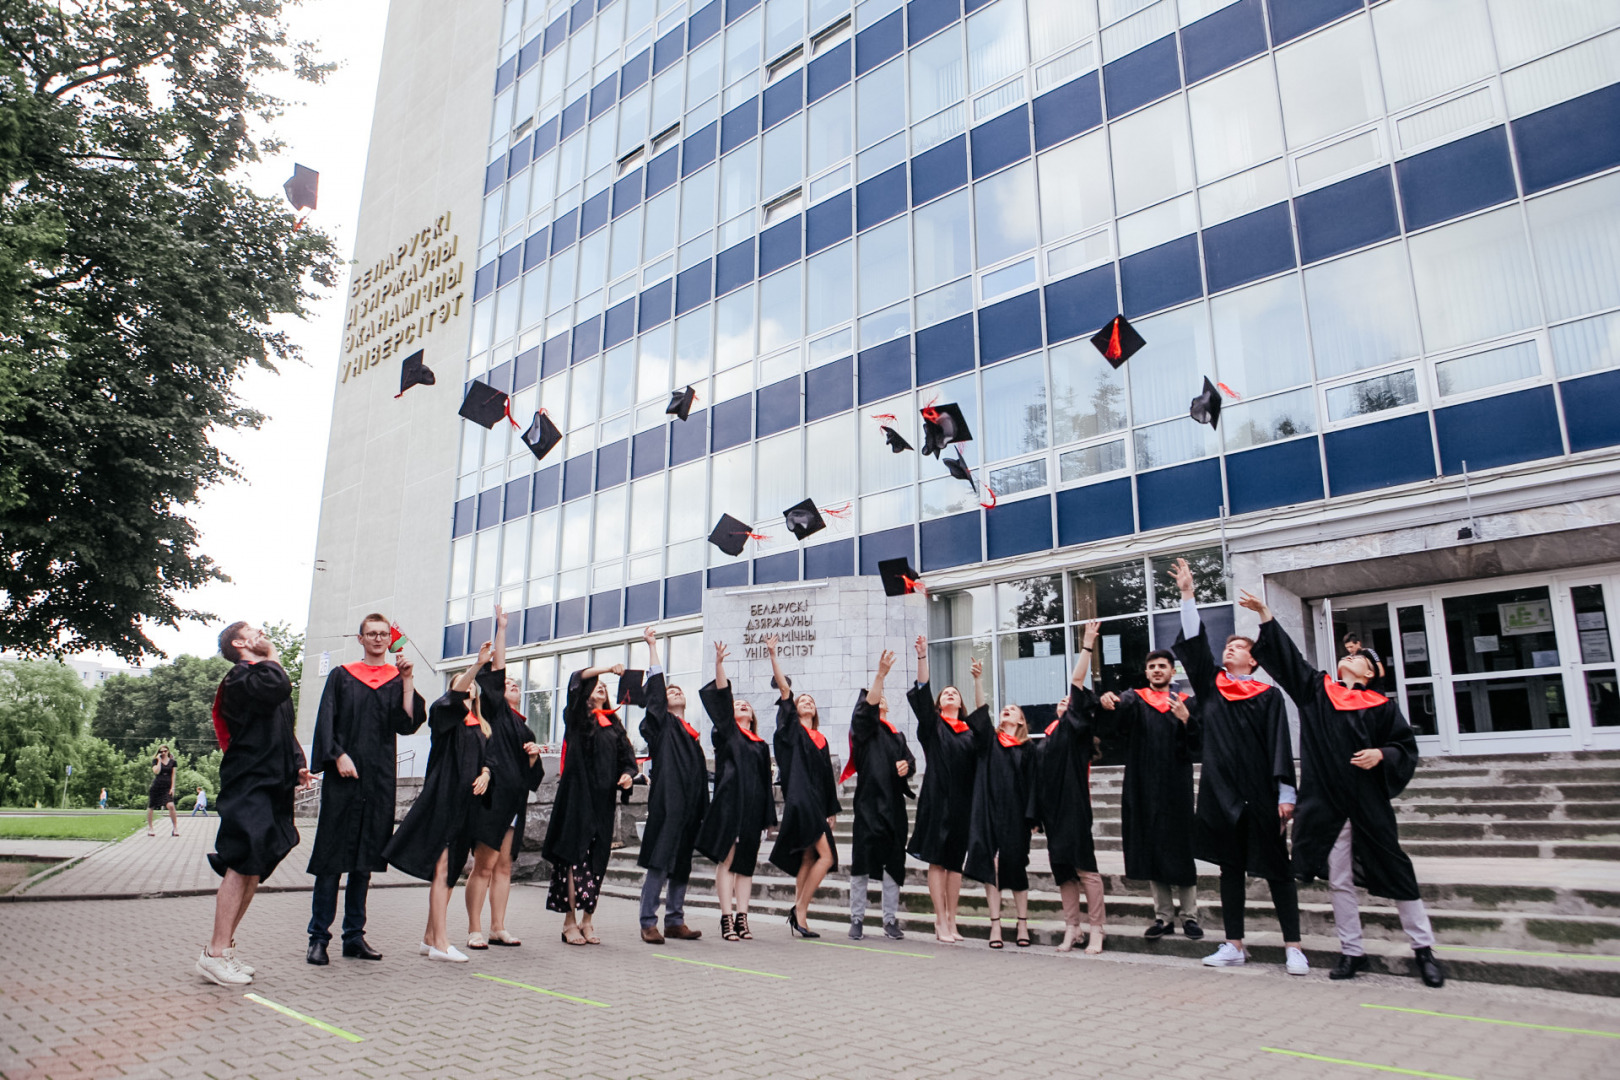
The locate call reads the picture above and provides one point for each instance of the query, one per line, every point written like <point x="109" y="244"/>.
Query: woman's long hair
<point x="961" y="710"/>
<point x="1022" y="731"/>
<point x="753" y="716"/>
<point x="474" y="708"/>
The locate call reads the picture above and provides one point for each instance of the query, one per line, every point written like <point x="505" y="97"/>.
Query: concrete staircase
<point x="1519" y="858"/>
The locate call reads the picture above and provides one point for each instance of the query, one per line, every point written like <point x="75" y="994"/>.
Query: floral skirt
<point x="587" y="886"/>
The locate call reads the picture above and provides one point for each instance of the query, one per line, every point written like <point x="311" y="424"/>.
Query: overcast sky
<point x="261" y="530"/>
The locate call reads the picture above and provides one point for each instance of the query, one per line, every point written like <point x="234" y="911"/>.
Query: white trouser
<point x="1347" y="913"/>
<point x="857" y="897"/>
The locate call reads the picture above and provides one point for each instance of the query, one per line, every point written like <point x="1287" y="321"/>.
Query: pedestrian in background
<point x="202" y="804"/>
<point x="160" y="796"/>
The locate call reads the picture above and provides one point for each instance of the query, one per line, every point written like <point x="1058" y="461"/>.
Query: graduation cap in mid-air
<point x="1118" y="341"/>
<point x="899" y="579"/>
<point x="943" y="425"/>
<point x="958" y="468"/>
<point x="731" y="535"/>
<point x="1206" y="407"/>
<point x="633" y="689"/>
<point x="414" y="373"/>
<point x="484" y="405"/>
<point x="803" y="519"/>
<point x="541" y="436"/>
<point x="301" y="187"/>
<point x="896" y="441"/>
<point x="680" y="403"/>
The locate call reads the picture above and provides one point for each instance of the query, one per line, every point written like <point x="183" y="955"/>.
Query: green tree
<point x="173" y="703"/>
<point x="97" y="764"/>
<point x="139" y="276"/>
<point x="290" y="645"/>
<point x="43" y="709"/>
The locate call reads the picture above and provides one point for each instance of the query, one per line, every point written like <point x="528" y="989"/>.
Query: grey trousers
<point x="652" y="888"/>
<point x="857" y="897"/>
<point x="1347" y="912"/>
<point x="1164" y="897"/>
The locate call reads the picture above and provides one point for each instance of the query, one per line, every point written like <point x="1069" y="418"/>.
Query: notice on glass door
<point x="1486" y="643"/>
<point x="1415" y="647"/>
<point x="1595" y="647"/>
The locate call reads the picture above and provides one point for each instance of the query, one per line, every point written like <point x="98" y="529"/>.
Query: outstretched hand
<point x="617" y="669"/>
<point x="885" y="662"/>
<point x="1093" y="628"/>
<point x="1182" y="573"/>
<point x="1109" y="700"/>
<point x="977" y="669"/>
<point x="1252" y="602"/>
<point x="921" y="645"/>
<point x="1178" y="708"/>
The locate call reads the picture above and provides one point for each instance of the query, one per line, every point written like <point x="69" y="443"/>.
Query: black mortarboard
<point x="803" y="519"/>
<point x="899" y="579"/>
<point x="1118" y="341"/>
<point x="414" y="373"/>
<point x="943" y="425"/>
<point x="541" y="436"/>
<point x="1206" y="407"/>
<point x="958" y="468"/>
<point x="731" y="535"/>
<point x="484" y="405"/>
<point x="897" y="443"/>
<point x="301" y="187"/>
<point x="632" y="690"/>
<point x="680" y="402"/>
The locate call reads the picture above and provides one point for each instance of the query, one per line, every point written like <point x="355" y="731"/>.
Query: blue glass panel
<point x="479" y="631"/>
<point x="547" y="483"/>
<point x="1010" y="328"/>
<point x="612" y="461"/>
<point x="733" y="423"/>
<point x="836" y="559"/>
<point x="554" y="356"/>
<point x="1588" y="411"/>
<point x="505" y="74"/>
<point x="925" y="17"/>
<point x="464" y="517"/>
<point x="829" y="389"/>
<point x="1080" y="305"/>
<point x="1350" y="214"/>
<point x="580" y="14"/>
<point x="510" y="264"/>
<point x="620" y="324"/>
<point x="604" y="94"/>
<point x="1569" y="140"/>
<point x="495" y="174"/>
<point x="1451" y="180"/>
<point x="1291" y="18"/>
<point x="1222" y="40"/>
<point x="564" y="231"/>
<point x="535" y="247"/>
<point x="736" y="9"/>
<point x="739" y="125"/>
<point x="525" y="369"/>
<point x="627" y="193"/>
<point x="1190" y="492"/>
<point x="517" y="498"/>
<point x="489" y="507"/>
<point x="827" y="73"/>
<point x="698" y="150"/>
<point x="1502" y="430"/>
<point x="783" y="566"/>
<point x="939" y="171"/>
<point x="571" y="617"/>
<point x="881" y="198"/>
<point x="500" y="376"/>
<point x="483" y="281"/>
<point x="663" y="171"/>
<point x="889" y="544"/>
<point x="669" y="48"/>
<point x="950" y="541"/>
<point x="728" y="577"/>
<point x="1067" y="111"/>
<point x="455" y="638"/>
<point x="573" y="117"/>
<point x="1250" y="247"/>
<point x="545" y="136"/>
<point x="688" y="439"/>
<point x="1277" y="475"/>
<point x="1145" y="75"/>
<point x="779" y="245"/>
<point x="1001" y="141"/>
<point x="1020" y="527"/>
<point x="635" y="73"/>
<point x="683" y="595"/>
<point x="556" y="33"/>
<point x="655" y="305"/>
<point x="1095" y="512"/>
<point x="878" y="42"/>
<point x="1160" y="277"/>
<point x="885" y="369"/>
<point x="577" y="476"/>
<point x="587" y="339"/>
<point x="828" y="222"/>
<point x="537" y="624"/>
<point x="734" y="267"/>
<point x="945" y="350"/>
<point x="607" y="609"/>
<point x="778" y="406"/>
<point x="693" y="287"/>
<point x="517" y="158"/>
<point x="703" y="25"/>
<point x="641" y="603"/>
<point x="783" y="99"/>
<point x="594" y="213"/>
<point x="647" y="452"/>
<point x="1379" y="455"/>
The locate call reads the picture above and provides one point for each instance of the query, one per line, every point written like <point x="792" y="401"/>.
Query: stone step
<point x="1443" y="809"/>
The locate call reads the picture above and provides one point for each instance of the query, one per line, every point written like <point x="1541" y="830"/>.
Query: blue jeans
<point x="323" y="907"/>
<point x="652" y="887"/>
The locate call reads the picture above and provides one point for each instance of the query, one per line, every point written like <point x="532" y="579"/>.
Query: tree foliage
<point x="138" y="277"/>
<point x="290" y="645"/>
<point x="173" y="704"/>
<point x="43" y="709"/>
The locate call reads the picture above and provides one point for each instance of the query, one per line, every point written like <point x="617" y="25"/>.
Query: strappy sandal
<point x="742" y="926"/>
<point x="590" y="935"/>
<point x="502" y="937"/>
<point x="1023" y="940"/>
<point x="727" y="931"/>
<point x="570" y="941"/>
<point x="477" y="941"/>
<point x="996" y="942"/>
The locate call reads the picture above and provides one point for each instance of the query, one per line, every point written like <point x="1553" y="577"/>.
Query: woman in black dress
<point x="742" y="807"/>
<point x="804" y="843"/>
<point x="596" y="759"/>
<point x="432" y="842"/>
<point x="160" y="796"/>
<point x="1003" y="814"/>
<point x="513" y="755"/>
<point x="1063" y="794"/>
<point x="940" y="837"/>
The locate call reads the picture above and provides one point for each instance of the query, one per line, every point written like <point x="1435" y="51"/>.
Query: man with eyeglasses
<point x="365" y="706"/>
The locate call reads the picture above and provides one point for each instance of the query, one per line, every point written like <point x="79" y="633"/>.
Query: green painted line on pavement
<point x="868" y="948"/>
<point x="1362" y="1064"/>
<point x="1491" y="1020"/>
<point x="310" y="1020"/>
<point x="722" y="967"/>
<point x="541" y="990"/>
<point x="1526" y="952"/>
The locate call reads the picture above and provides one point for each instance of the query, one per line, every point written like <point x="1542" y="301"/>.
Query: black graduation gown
<point x="1247" y="753"/>
<point x="679" y="793"/>
<point x="879" y="843"/>
<point x="258" y="775"/>
<point x="1331" y="789"/>
<point x="1003" y="808"/>
<point x="1063" y="786"/>
<point x="945" y="805"/>
<point x="594" y="757"/>
<point x="357" y="815"/>
<point x="442" y="816"/>
<point x="809" y="792"/>
<point x="511" y="777"/>
<point x="743" y="806"/>
<point x="1156" y="799"/>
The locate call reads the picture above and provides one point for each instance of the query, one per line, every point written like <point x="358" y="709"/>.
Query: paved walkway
<point x="13" y="847"/>
<point x="102" y="989"/>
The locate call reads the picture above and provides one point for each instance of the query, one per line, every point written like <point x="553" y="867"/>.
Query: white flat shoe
<point x="452" y="956"/>
<point x="423" y="949"/>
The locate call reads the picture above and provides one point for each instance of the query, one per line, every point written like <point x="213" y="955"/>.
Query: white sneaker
<point x="1228" y="955"/>
<point x="1297" y="964"/>
<point x="221" y="971"/>
<point x="452" y="956"/>
<point x="230" y="954"/>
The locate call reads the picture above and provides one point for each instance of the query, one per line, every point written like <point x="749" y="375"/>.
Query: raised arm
<point x="983" y="728"/>
<point x="922" y="660"/>
<point x="977" y="668"/>
<point x="1192" y="644"/>
<point x="656" y="713"/>
<point x="463" y="682"/>
<point x="885" y="662"/>
<point x="1088" y="644"/>
<point x="776" y="668"/>
<point x="498" y="660"/>
<point x="445" y="713"/>
<point x="1275" y="651"/>
<point x="720" y="655"/>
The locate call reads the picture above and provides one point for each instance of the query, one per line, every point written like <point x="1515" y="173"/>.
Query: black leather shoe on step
<point x="1158" y="930"/>
<point x="316" y="954"/>
<point x="1193" y="930"/>
<point x="1429" y="968"/>
<point x="1348" y="967"/>
<point x="359" y="950"/>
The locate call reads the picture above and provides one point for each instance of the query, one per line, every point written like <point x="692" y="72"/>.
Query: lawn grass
<point x="111" y="825"/>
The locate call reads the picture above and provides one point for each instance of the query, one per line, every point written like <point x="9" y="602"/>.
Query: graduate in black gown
<point x="1156" y="801"/>
<point x="676" y="803"/>
<point x="1063" y="800"/>
<point x="944" y="806"/>
<point x="597" y="759"/>
<point x="366" y="705"/>
<point x="1356" y="753"/>
<point x="743" y="806"/>
<point x="804" y="842"/>
<point x="880" y="760"/>
<point x="433" y="841"/>
<point x="259" y="773"/>
<point x="1246" y="786"/>
<point x="513" y="756"/>
<point x="1003" y="815"/>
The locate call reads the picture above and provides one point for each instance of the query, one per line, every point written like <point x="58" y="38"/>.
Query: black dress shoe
<point x="316" y="954"/>
<point x="359" y="950"/>
<point x="1348" y="967"/>
<point x="1158" y="930"/>
<point x="1193" y="930"/>
<point x="1429" y="968"/>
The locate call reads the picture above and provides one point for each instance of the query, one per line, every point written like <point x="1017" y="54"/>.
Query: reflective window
<point x="461" y="558"/>
<point x="688" y="507"/>
<point x="1329" y="82"/>
<point x="880" y="103"/>
<point x="609" y="541"/>
<point x="734" y="334"/>
<point x="884" y="262"/>
<point x="1361" y="311"/>
<point x="938" y="75"/>
<point x="1089" y="461"/>
<point x="943" y="496"/>
<point x="1474" y="279"/>
<point x="697" y="202"/>
<point x="1172" y="443"/>
<point x="943" y="249"/>
<point x="779" y="306"/>
<point x="1004" y="213"/>
<point x="1426" y="47"/>
<point x="996" y="42"/>
<point x="784" y="25"/>
<point x="1282" y="416"/>
<point x="1054" y="25"/>
<point x="1075" y="195"/>
<point x="784" y="156"/>
<point x="1166" y="373"/>
<point x="647" y="512"/>
<point x="1151" y="155"/>
<point x="1576" y="236"/>
<point x="1107" y="591"/>
<point x="618" y="379"/>
<point x="739" y="181"/>
<point x="731" y="483"/>
<point x="576" y="534"/>
<point x="1589" y="345"/>
<point x="881" y="468"/>
<point x="889" y="510"/>
<point x="1372" y="395"/>
<point x="660" y="224"/>
<point x="779" y="484"/>
<point x="626" y="249"/>
<point x="1015" y="407"/>
<point x="832" y="132"/>
<point x="742" y="46"/>
<point x="1526" y="29"/>
<point x="832" y="445"/>
<point x="1236" y="122"/>
<point x="1260" y="342"/>
<point x="694" y="349"/>
<point x="652" y="368"/>
<point x="585" y="396"/>
<point x="830" y="286"/>
<point x="1012" y="479"/>
<point x="484" y="564"/>
<point x="703" y="72"/>
<point x="1466" y="374"/>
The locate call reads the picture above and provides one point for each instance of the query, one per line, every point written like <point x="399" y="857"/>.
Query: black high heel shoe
<point x="740" y="924"/>
<point x="795" y="929"/>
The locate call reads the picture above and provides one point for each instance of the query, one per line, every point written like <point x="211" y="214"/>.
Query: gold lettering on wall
<point x="403" y="297"/>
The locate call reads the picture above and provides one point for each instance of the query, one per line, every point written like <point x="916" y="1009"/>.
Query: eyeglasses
<point x="375" y="635"/>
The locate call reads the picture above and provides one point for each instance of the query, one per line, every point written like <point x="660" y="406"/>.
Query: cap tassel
<point x="838" y="511"/>
<point x="758" y="536"/>
<point x="1115" y="350"/>
<point x="507" y="409"/>
<point x="1229" y="392"/>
